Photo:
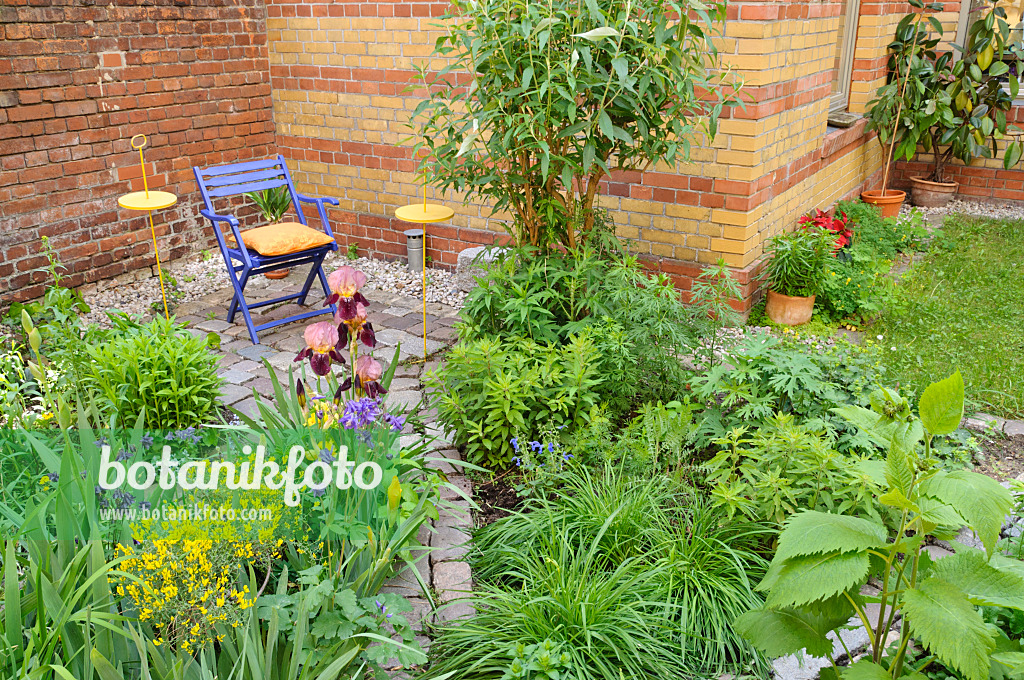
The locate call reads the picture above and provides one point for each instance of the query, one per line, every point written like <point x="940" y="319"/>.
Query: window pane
<point x="838" y="85"/>
<point x="842" y="65"/>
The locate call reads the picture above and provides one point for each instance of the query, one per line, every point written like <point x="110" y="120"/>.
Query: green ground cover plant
<point x="963" y="306"/>
<point x="158" y="370"/>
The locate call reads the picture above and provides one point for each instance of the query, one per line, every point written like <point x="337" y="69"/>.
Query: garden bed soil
<point x="496" y="498"/>
<point x="1002" y="458"/>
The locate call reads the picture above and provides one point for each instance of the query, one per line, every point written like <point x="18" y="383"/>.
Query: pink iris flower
<point x="368" y="373"/>
<point x="345" y="284"/>
<point x="322" y="345"/>
<point x="357" y="325"/>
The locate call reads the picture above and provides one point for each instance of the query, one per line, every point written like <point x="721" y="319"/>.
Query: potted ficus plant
<point x="795" y="273"/>
<point x="885" y="111"/>
<point x="272" y="204"/>
<point x="955" y="107"/>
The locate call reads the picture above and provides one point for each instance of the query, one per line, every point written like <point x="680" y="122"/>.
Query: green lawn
<point x="963" y="308"/>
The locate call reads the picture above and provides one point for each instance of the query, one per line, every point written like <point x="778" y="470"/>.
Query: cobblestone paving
<point x="397" y="321"/>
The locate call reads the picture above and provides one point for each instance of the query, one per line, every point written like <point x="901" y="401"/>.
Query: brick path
<point x="396" y="319"/>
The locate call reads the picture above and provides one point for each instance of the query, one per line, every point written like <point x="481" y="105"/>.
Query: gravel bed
<point x="194" y="277"/>
<point x="185" y="280"/>
<point x="395" y="277"/>
<point x="1006" y="211"/>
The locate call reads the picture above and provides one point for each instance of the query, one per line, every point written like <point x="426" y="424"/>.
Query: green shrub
<point x="157" y="369"/>
<point x="701" y="568"/>
<point x="491" y="390"/>
<point x="770" y="472"/>
<point x="857" y="281"/>
<point x="644" y="328"/>
<point x="764" y="375"/>
<point x="813" y="586"/>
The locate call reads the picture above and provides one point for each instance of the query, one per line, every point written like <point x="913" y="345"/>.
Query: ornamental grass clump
<point x="681" y="572"/>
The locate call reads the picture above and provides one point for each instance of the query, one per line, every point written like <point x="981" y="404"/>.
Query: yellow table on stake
<point x="149" y="201"/>
<point x="424" y="213"/>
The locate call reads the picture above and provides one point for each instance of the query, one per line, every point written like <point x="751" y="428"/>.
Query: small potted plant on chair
<point x="272" y="204"/>
<point x="795" y="273"/>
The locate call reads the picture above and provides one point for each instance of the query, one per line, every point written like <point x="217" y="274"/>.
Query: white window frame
<point x="840" y="100"/>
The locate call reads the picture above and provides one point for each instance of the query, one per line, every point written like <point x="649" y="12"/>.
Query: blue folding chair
<point x="221" y="181"/>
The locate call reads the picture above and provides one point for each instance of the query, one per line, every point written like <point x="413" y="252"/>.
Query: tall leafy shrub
<point x="562" y="93"/>
<point x="491" y="390"/>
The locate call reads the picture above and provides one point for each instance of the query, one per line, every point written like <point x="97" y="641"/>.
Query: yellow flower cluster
<point x="185" y="588"/>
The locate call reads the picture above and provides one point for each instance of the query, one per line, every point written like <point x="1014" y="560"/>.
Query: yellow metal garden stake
<point x="424" y="214"/>
<point x="149" y="201"/>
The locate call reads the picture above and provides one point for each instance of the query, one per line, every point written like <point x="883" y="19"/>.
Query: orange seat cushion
<point x="282" y="238"/>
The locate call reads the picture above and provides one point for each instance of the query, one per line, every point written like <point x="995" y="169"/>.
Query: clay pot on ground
<point x="889" y="201"/>
<point x="927" y="194"/>
<point x="789" y="310"/>
<point x="277" y="273"/>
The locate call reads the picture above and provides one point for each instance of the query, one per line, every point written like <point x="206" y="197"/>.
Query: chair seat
<point x="282" y="238"/>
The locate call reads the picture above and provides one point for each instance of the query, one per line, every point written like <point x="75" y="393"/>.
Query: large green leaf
<point x="981" y="500"/>
<point x="942" y="405"/>
<point x="811" y="532"/>
<point x="1014" y="661"/>
<point x="982" y="582"/>
<point x="866" y="670"/>
<point x="945" y="622"/>
<point x="778" y="632"/>
<point x="809" y="578"/>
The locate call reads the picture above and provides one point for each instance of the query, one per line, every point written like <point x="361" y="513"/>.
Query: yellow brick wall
<point x="778" y="59"/>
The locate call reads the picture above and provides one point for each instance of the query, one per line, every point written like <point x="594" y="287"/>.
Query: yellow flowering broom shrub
<point x="186" y="577"/>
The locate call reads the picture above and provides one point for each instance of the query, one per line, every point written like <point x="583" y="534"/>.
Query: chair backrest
<point x="235" y="179"/>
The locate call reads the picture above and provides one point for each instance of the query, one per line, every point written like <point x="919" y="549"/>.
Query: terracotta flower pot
<point x="277" y="273"/>
<point x="890" y="201"/>
<point x="931" y="194"/>
<point x="789" y="310"/>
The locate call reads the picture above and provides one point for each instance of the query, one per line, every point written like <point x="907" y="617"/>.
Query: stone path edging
<point x="983" y="422"/>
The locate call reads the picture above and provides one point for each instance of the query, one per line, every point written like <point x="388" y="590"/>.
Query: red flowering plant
<point x="840" y="225"/>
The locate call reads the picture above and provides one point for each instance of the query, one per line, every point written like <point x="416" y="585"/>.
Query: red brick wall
<point x="77" y="81"/>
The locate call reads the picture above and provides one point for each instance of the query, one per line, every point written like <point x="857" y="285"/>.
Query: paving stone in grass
<point x="454" y="611"/>
<point x="463" y="483"/>
<point x="448" y="543"/>
<point x="214" y="325"/>
<point x="248" y="407"/>
<point x="404" y="399"/>
<point x="452" y="580"/>
<point x="458" y="515"/>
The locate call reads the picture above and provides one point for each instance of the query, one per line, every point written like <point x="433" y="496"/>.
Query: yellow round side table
<point x="149" y="201"/>
<point x="424" y="213"/>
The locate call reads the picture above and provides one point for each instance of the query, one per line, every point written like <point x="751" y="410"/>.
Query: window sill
<point x="838" y="139"/>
